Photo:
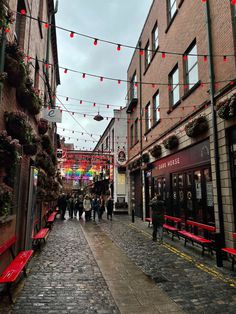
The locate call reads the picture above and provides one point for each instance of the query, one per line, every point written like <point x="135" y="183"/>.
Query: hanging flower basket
<point x="197" y="127"/>
<point x="171" y="142"/>
<point x="7" y="149"/>
<point x="28" y="99"/>
<point x="16" y="71"/>
<point x="18" y="127"/>
<point x="44" y="161"/>
<point x="145" y="158"/>
<point x="43" y="126"/>
<point x="156" y="151"/>
<point x="6" y="15"/>
<point x="227" y="109"/>
<point x="6" y="200"/>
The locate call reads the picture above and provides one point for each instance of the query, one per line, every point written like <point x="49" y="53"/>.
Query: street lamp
<point x="98" y="117"/>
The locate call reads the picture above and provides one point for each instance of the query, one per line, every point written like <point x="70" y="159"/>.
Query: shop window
<point x="210" y="216"/>
<point x="133" y="87"/>
<point x="174" y="86"/>
<point x="155" y="38"/>
<point x="156" y="107"/>
<point x="112" y="139"/>
<point x="198" y="196"/>
<point x="191" y="66"/>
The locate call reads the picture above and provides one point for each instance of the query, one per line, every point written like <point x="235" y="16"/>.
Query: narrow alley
<point x="114" y="267"/>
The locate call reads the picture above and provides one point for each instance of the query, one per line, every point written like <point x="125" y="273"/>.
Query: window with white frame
<point x="136" y="131"/>
<point x="147" y="55"/>
<point x="133" y="87"/>
<point x="155" y="35"/>
<point x="156" y="107"/>
<point x="174" y="86"/>
<point x="191" y="66"/>
<point x="148" y="117"/>
<point x="172" y="8"/>
<point x="131" y="135"/>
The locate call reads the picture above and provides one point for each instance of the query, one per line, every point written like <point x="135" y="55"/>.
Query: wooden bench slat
<point x="7" y="245"/>
<point x="200" y="225"/>
<point x="194" y="237"/>
<point x="229" y="250"/>
<point x="13" y="270"/>
<point x="172" y="218"/>
<point x="171" y="228"/>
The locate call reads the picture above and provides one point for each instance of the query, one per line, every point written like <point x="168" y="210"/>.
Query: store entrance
<point x="192" y="195"/>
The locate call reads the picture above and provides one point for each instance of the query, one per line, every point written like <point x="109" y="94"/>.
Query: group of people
<point x="89" y="204"/>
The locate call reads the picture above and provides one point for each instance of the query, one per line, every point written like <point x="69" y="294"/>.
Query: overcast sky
<point x="120" y="21"/>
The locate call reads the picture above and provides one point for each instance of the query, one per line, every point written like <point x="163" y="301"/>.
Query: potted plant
<point x="227" y="108"/>
<point x="18" y="127"/>
<point x="43" y="127"/>
<point x="197" y="127"/>
<point x="31" y="148"/>
<point x="6" y="200"/>
<point x="156" y="151"/>
<point x="7" y="149"/>
<point x="145" y="158"/>
<point x="14" y="65"/>
<point x="171" y="142"/>
<point x="28" y="99"/>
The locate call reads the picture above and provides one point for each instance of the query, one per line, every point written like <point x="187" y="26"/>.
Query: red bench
<point x="172" y="224"/>
<point x="40" y="234"/>
<point x="14" y="269"/>
<point x="50" y="219"/>
<point x="193" y="238"/>
<point x="231" y="252"/>
<point x="149" y="221"/>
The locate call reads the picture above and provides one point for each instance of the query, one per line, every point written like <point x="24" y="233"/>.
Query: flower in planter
<point x="145" y="158"/>
<point x="18" y="127"/>
<point x="6" y="15"/>
<point x="156" y="151"/>
<point x="27" y="98"/>
<point x="171" y="142"/>
<point x="7" y="149"/>
<point x="32" y="147"/>
<point x="3" y="77"/>
<point x="227" y="109"/>
<point x="43" y="126"/>
<point x="197" y="127"/>
<point x="6" y="200"/>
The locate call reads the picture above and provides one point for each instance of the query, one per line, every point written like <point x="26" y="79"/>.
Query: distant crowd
<point x="92" y="205"/>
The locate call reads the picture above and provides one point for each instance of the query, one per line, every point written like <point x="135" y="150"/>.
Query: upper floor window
<point x="155" y="34"/>
<point x="172" y="7"/>
<point x="191" y="66"/>
<point x="133" y="87"/>
<point x="148" y="117"/>
<point x="234" y="15"/>
<point x="147" y="55"/>
<point x="131" y="135"/>
<point x="36" y="74"/>
<point x="112" y="140"/>
<point x="20" y="23"/>
<point x="156" y="107"/>
<point x="40" y="17"/>
<point x="136" y="131"/>
<point x="174" y="86"/>
<point x="107" y="143"/>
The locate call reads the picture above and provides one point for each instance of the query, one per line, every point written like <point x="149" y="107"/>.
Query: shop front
<point x="184" y="181"/>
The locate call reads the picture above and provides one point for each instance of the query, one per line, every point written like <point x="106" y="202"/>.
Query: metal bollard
<point x="132" y="215"/>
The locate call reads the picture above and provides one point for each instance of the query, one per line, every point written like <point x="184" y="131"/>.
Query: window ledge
<point x="131" y="147"/>
<point x="174" y="106"/>
<point x="171" y="21"/>
<point x="180" y="4"/>
<point x="156" y="123"/>
<point x="191" y="90"/>
<point x="148" y="131"/>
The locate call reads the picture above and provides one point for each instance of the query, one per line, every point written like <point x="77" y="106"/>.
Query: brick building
<point x="29" y="57"/>
<point x="190" y="84"/>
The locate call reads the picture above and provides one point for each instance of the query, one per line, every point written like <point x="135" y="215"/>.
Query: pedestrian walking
<point x="62" y="203"/>
<point x="109" y="205"/>
<point x="96" y="207"/>
<point x="87" y="207"/>
<point x="71" y="205"/>
<point x="102" y="206"/>
<point x="157" y="205"/>
<point x="79" y="208"/>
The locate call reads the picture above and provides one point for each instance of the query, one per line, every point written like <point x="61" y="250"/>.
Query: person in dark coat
<point x="79" y="206"/>
<point x="62" y="203"/>
<point x="109" y="208"/>
<point x="158" y="210"/>
<point x="102" y="206"/>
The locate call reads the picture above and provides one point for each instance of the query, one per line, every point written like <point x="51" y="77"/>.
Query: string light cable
<point x="96" y="39"/>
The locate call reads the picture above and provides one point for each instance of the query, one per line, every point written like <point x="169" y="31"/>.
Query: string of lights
<point x="119" y="46"/>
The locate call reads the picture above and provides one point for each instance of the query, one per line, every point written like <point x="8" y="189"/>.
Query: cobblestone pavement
<point x="65" y="277"/>
<point x="191" y="281"/>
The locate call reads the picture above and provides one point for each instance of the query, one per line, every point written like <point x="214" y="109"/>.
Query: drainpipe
<point x="142" y="178"/>
<point x="214" y="124"/>
<point x="48" y="49"/>
<point x="2" y="59"/>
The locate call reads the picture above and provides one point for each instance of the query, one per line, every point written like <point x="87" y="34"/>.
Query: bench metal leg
<point x="9" y="292"/>
<point x="233" y="262"/>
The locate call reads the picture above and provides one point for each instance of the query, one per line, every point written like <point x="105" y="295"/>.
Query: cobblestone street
<point x="83" y="269"/>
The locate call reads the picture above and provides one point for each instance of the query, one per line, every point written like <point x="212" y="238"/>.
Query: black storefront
<point x="232" y="155"/>
<point x="184" y="180"/>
